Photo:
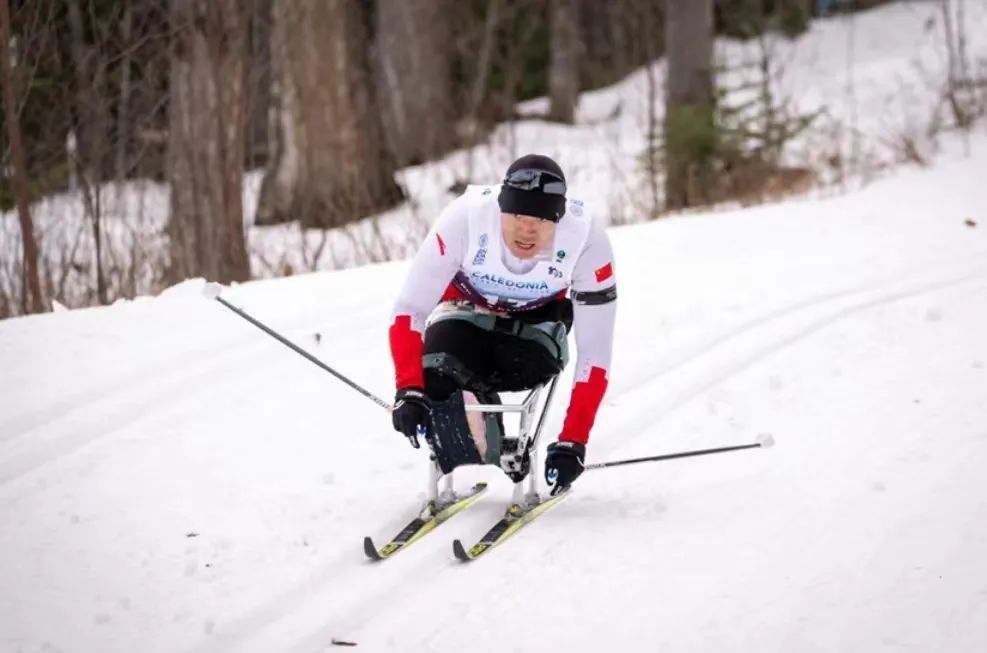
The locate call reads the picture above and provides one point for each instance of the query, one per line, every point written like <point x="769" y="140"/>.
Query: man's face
<point x="526" y="235"/>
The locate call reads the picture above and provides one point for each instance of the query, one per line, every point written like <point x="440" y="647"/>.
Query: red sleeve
<point x="594" y="314"/>
<point x="433" y="268"/>
<point x="406" y="350"/>
<point x="586" y="398"/>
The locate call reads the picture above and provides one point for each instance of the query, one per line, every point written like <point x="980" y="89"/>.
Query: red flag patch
<point x="604" y="273"/>
<point x="442" y="245"/>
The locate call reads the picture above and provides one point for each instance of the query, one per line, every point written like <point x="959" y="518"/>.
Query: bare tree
<point x="330" y="165"/>
<point x="481" y="76"/>
<point x="959" y="83"/>
<point x="31" y="300"/>
<point x="260" y="123"/>
<point x="207" y="113"/>
<point x="563" y="74"/>
<point x="123" y="102"/>
<point x="89" y="69"/>
<point x="690" y="132"/>
<point x="650" y="38"/>
<point x="414" y="74"/>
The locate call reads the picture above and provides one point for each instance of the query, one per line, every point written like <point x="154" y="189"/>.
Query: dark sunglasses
<point x="531" y="179"/>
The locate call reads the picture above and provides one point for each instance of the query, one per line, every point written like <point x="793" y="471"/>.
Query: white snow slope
<point x="171" y="479"/>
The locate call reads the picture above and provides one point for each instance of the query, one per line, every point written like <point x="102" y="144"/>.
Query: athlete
<point x="503" y="276"/>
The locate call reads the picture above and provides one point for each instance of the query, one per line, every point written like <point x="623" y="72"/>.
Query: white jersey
<point x="464" y="257"/>
<point x="491" y="276"/>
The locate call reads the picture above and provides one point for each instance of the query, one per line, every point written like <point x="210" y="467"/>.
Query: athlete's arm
<point x="594" y="298"/>
<point x="433" y="267"/>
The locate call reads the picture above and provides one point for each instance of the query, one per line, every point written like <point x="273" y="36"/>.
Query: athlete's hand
<point x="412" y="414"/>
<point x="563" y="464"/>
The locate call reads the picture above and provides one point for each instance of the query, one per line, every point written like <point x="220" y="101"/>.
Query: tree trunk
<point x="563" y="75"/>
<point x="124" y="128"/>
<point x="690" y="132"/>
<point x="207" y="118"/>
<point x="31" y="284"/>
<point x="259" y="123"/>
<point x="651" y="42"/>
<point x="91" y="118"/>
<point x="414" y="73"/>
<point x="89" y="106"/>
<point x="480" y="81"/>
<point x="330" y="166"/>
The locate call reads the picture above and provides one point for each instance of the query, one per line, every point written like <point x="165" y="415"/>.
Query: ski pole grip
<point x="212" y="290"/>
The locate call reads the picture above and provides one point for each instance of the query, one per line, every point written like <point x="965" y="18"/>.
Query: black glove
<point x="412" y="414"/>
<point x="563" y="464"/>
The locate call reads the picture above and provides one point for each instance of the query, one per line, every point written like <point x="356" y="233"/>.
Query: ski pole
<point x="763" y="441"/>
<point x="212" y="291"/>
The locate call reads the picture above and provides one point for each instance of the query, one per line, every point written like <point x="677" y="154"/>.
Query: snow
<point x="172" y="479"/>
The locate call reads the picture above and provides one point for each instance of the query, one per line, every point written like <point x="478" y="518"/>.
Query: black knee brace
<point x="451" y="440"/>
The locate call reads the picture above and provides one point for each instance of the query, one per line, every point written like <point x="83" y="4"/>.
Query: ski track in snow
<point x="342" y="597"/>
<point x="331" y="598"/>
<point x="47" y="434"/>
<point x="883" y="291"/>
<point x="248" y="342"/>
<point x="113" y="412"/>
<point x="748" y="346"/>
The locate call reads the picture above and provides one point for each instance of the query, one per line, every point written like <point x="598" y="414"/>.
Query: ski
<point x="431" y="516"/>
<point x="516" y="517"/>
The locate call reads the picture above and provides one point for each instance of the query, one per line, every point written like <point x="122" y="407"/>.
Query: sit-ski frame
<point x="525" y="491"/>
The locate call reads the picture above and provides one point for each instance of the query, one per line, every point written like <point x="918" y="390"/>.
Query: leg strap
<point x="449" y="366"/>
